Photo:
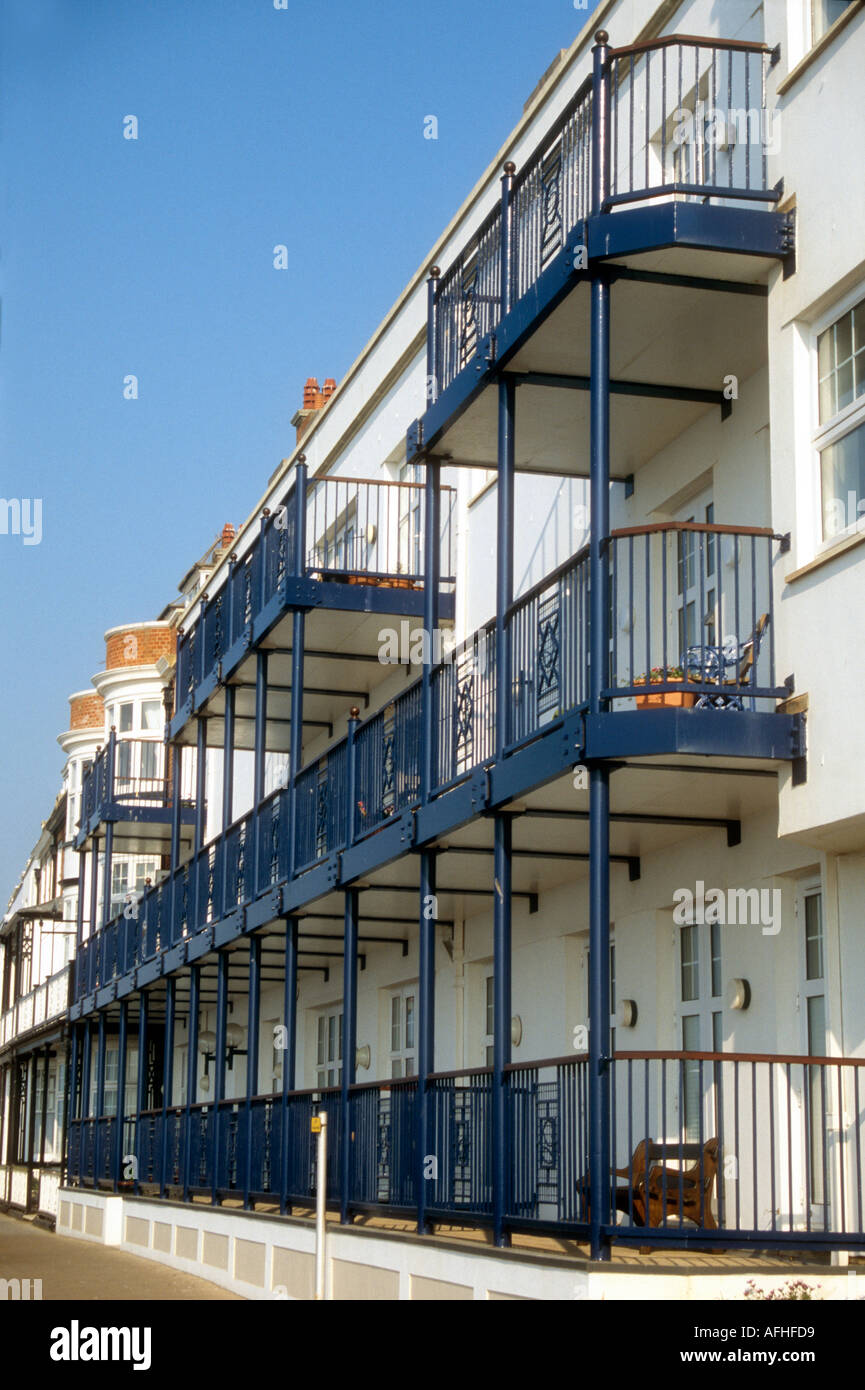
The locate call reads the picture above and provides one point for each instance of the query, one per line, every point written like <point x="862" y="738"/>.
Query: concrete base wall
<point x="264" y="1257"/>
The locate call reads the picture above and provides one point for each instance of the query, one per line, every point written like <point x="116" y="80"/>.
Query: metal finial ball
<point x="265" y="511"/>
<point x="510" y="167"/>
<point x="233" y="557"/>
<point x="435" y="272"/>
<point x="602" y="36"/>
<point x="301" y="458"/>
<point x="355" y="711"/>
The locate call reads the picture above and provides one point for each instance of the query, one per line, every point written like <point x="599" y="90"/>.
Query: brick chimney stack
<point x="314" y="397"/>
<point x="227" y="536"/>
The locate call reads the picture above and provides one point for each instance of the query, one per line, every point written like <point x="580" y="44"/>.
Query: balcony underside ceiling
<point x="341" y="669"/>
<point x="672" y="336"/>
<point x="148" y="837"/>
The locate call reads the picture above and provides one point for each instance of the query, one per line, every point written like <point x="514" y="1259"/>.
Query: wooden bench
<point x="685" y="1193"/>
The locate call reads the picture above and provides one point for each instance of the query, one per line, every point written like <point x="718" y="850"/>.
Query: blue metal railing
<point x="692" y="616"/>
<point x="358" y="531"/>
<point x="685" y="118"/>
<point x="725" y="1147"/>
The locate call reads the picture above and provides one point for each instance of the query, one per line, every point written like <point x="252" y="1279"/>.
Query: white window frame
<point x="331" y="1011"/>
<point x="402" y="1060"/>
<point x="822" y="435"/>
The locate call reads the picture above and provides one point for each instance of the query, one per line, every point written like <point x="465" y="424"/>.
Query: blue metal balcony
<point x="710" y="1150"/>
<point x="129" y="786"/>
<point x="360" y="804"/>
<point x="660" y="197"/>
<point x="344" y="544"/>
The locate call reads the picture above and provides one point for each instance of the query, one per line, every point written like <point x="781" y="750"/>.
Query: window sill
<point x="841" y="548"/>
<point x="819" y="47"/>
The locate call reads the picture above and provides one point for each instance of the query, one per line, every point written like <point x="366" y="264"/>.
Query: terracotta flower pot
<point x="667" y="699"/>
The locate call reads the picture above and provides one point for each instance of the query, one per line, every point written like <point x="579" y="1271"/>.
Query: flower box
<point x="681" y="698"/>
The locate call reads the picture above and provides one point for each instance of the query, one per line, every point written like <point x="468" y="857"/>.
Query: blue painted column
<point x="167" y="1075"/>
<point x="504" y="557"/>
<point x="503" y="828"/>
<point x="298" y="639"/>
<point x="141" y="1084"/>
<point x="191" y="1073"/>
<point x="80" y="982"/>
<point x="289" y="1018"/>
<point x="425" y="1029"/>
<point x="176" y="753"/>
<point x="106" y="875"/>
<point x="120" y="1110"/>
<point x="502" y="1147"/>
<point x="100" y="1095"/>
<point x="198" y="909"/>
<point x="86" y="1056"/>
<point x="259" y="756"/>
<point x="94" y="913"/>
<point x="599" y="644"/>
<point x="349" y="1046"/>
<point x="431" y="587"/>
<point x="73" y="1111"/>
<point x="227" y="787"/>
<point x="253" y="1020"/>
<point x="222" y="965"/>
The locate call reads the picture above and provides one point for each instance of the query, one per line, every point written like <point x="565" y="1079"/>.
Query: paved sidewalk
<point x="73" y="1269"/>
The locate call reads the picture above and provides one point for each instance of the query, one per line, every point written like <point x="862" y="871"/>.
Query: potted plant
<point x="661" y="675"/>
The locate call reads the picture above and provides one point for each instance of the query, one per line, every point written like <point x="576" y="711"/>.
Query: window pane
<point x="842" y="467"/>
<point x="125" y="723"/>
<point x="151" y="715"/>
<point x="823" y="15"/>
<point x="409" y="1021"/>
<point x="690" y="964"/>
<point x="331" y="1038"/>
<point x="718" y="1033"/>
<point x="151" y="761"/>
<point x="814" y="937"/>
<point x="490" y="1009"/>
<point x="717" y="979"/>
<point x="394" y="1023"/>
<point x="817" y="1026"/>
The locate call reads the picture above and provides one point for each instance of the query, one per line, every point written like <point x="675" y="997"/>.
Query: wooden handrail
<point x="690" y="41"/>
<point x="709" y="527"/>
<point x="783" y="1058"/>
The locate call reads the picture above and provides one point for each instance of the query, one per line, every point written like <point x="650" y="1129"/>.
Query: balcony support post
<point x="431" y="586"/>
<point x="94" y="911"/>
<point x="106" y="875"/>
<point x="426" y="1025"/>
<point x="100" y="1092"/>
<point x="44" y="1116"/>
<point x="599" y="660"/>
<point x="260" y="757"/>
<point x="222" y="966"/>
<point x="120" y="1108"/>
<point x="502" y="1148"/>
<point x="349" y="1046"/>
<point x="175" y="752"/>
<point x="73" y="1052"/>
<point x="504" y="556"/>
<point x="191" y="1072"/>
<point x="86" y="1051"/>
<point x="79" y="923"/>
<point x="200" y="818"/>
<point x="252" y="1036"/>
<point x="141" y="1086"/>
<point x="227" y="786"/>
<point x="289" y="1054"/>
<point x="167" y="1074"/>
<point x="32" y="1071"/>
<point x="507" y="238"/>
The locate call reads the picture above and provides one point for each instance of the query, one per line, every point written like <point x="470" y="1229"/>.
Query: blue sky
<point x="154" y="257"/>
